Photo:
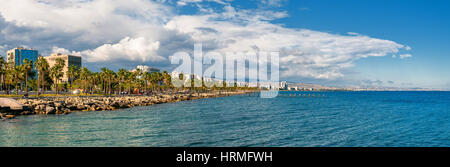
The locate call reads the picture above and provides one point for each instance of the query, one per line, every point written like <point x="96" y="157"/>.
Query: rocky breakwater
<point x="67" y="105"/>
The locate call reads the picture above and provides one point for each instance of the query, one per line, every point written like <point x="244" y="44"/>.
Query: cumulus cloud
<point x="186" y="2"/>
<point x="142" y="31"/>
<point x="80" y="24"/>
<point x="128" y="49"/>
<point x="275" y="3"/>
<point x="304" y="53"/>
<point x="404" y="56"/>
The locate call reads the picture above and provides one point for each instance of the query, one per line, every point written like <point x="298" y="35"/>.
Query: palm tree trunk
<point x="120" y="87"/>
<point x="38" y="84"/>
<point x="129" y="87"/>
<point x="110" y="87"/>
<point x="85" y="89"/>
<point x="26" y="82"/>
<point x="17" y="88"/>
<point x="43" y="84"/>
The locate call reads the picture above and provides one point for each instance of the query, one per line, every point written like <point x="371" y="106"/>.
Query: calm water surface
<point x="341" y="119"/>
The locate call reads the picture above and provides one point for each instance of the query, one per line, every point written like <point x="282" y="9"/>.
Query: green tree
<point x="2" y="72"/>
<point x="107" y="76"/>
<point x="110" y="77"/>
<point x="167" y="79"/>
<point x="131" y="77"/>
<point x="93" y="80"/>
<point x="156" y="79"/>
<point x="43" y="70"/>
<point x="26" y="68"/>
<point x="72" y="73"/>
<point x="56" y="72"/>
<point x="16" y="77"/>
<point x="84" y="75"/>
<point x="146" y="77"/>
<point x="122" y="77"/>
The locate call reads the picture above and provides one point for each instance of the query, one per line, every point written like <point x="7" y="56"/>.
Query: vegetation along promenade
<point x="39" y="89"/>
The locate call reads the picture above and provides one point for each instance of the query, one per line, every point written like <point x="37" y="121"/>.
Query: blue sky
<point x="335" y="43"/>
<point x="422" y="25"/>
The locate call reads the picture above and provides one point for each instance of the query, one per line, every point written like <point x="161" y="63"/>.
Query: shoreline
<point x="67" y="105"/>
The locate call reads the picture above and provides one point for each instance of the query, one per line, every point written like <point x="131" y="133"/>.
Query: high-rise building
<point x="17" y="55"/>
<point x="284" y="85"/>
<point x="70" y="60"/>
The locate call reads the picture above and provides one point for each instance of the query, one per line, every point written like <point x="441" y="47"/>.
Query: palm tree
<point x="84" y="75"/>
<point x="2" y="72"/>
<point x="122" y="77"/>
<point x="72" y="73"/>
<point x="43" y="70"/>
<point x="107" y="76"/>
<point x="130" y="77"/>
<point x="157" y="78"/>
<point x="26" y="69"/>
<point x="167" y="79"/>
<point x="93" y="80"/>
<point x="110" y="75"/>
<point x="103" y="77"/>
<point x="147" y="77"/>
<point x="56" y="72"/>
<point x="9" y="75"/>
<point x="16" y="76"/>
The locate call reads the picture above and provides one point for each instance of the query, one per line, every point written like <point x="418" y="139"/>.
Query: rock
<point x="81" y="107"/>
<point x="72" y="107"/>
<point x="59" y="104"/>
<point x="115" y="104"/>
<point x="9" y="116"/>
<point x="51" y="104"/>
<point x="26" y="113"/>
<point x="37" y="108"/>
<point x="50" y="110"/>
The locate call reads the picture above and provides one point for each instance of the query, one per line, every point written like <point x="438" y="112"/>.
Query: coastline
<point x="69" y="104"/>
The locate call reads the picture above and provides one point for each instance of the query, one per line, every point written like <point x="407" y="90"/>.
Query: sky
<point x="357" y="43"/>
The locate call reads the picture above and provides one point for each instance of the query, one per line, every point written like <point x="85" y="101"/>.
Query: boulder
<point x="81" y="107"/>
<point x="37" y="108"/>
<point x="59" y="104"/>
<point x="9" y="116"/>
<point x="50" y="110"/>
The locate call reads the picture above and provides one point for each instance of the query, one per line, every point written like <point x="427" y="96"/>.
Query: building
<point x="17" y="55"/>
<point x="70" y="60"/>
<point x="284" y="85"/>
<point x="146" y="69"/>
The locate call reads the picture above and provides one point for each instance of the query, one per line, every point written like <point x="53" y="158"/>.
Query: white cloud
<point x="275" y="3"/>
<point x="186" y="2"/>
<point x="141" y="31"/>
<point x="404" y="56"/>
<point x="82" y="23"/>
<point x="128" y="49"/>
<point x="304" y="53"/>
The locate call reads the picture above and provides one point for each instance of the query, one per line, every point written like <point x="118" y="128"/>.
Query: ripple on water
<point x="340" y="119"/>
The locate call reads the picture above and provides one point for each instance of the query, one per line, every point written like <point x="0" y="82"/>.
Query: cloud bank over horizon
<point x="133" y="32"/>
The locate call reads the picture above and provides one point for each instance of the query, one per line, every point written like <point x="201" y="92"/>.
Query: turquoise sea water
<point x="398" y="119"/>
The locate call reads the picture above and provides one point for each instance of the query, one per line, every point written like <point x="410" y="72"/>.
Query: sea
<point x="294" y="119"/>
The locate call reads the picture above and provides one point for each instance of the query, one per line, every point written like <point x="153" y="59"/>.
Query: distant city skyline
<point x="347" y="43"/>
